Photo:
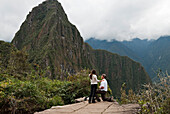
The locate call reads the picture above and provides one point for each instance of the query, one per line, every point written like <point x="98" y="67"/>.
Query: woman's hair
<point x="92" y="72"/>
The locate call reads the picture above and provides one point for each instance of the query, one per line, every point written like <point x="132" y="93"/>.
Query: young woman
<point x="94" y="80"/>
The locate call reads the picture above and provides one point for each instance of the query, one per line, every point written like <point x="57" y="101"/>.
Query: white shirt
<point x="94" y="79"/>
<point x="104" y="84"/>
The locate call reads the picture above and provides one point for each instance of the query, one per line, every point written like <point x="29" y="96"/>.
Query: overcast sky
<point x="102" y="19"/>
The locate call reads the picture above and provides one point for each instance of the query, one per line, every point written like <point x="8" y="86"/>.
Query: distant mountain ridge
<point x="113" y="46"/>
<point x="52" y="41"/>
<point x="138" y="46"/>
<point x="158" y="55"/>
<point x="153" y="54"/>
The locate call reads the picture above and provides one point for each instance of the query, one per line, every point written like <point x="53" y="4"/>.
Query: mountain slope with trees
<point x="152" y="54"/>
<point x="52" y="41"/>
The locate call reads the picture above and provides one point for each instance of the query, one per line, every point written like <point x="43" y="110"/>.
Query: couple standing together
<point x="102" y="88"/>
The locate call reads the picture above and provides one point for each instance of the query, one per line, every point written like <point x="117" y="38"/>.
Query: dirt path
<point x="94" y="108"/>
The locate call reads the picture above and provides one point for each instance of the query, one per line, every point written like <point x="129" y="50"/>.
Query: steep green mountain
<point x="152" y="54"/>
<point x="120" y="69"/>
<point x="52" y="41"/>
<point x="158" y="55"/>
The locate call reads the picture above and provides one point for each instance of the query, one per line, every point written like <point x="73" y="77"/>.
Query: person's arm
<point x="98" y="80"/>
<point x="95" y="78"/>
<point x="101" y="86"/>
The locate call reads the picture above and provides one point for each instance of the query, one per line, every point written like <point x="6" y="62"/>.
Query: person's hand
<point x="102" y="87"/>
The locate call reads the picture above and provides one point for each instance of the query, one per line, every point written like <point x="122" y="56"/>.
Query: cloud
<point x="12" y="15"/>
<point x="120" y="19"/>
<point x="103" y="19"/>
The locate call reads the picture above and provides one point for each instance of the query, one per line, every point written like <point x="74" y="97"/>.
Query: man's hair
<point x="104" y="75"/>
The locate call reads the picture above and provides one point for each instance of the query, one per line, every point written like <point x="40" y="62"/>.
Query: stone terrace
<point x="94" y="108"/>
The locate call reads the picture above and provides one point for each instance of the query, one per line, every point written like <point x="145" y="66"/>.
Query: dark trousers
<point x="103" y="95"/>
<point x="92" y="93"/>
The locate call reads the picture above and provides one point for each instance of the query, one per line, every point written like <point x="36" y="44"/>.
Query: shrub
<point x="25" y="97"/>
<point x="153" y="98"/>
<point x="35" y="93"/>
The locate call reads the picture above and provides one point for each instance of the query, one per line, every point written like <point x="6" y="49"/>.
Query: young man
<point x="103" y="90"/>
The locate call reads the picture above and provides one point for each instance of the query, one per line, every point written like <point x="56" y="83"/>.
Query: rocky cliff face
<point x="119" y="70"/>
<point x="51" y="40"/>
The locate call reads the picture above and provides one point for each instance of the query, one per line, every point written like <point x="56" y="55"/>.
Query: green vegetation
<point x="153" y="98"/>
<point x="38" y="93"/>
<point x="25" y="88"/>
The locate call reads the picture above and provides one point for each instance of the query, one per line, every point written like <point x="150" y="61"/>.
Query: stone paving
<point x="93" y="108"/>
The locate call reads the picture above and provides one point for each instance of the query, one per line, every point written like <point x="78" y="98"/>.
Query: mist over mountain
<point x="52" y="41"/>
<point x="152" y="54"/>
